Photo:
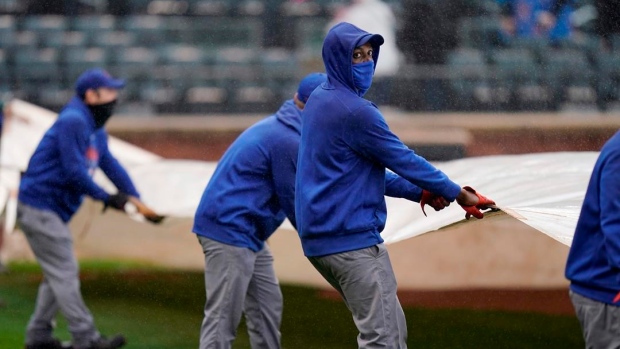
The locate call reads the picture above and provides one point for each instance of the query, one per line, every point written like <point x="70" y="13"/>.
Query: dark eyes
<point x="357" y="55"/>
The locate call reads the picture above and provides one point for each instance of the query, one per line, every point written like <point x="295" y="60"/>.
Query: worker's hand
<point x="472" y="202"/>
<point x="116" y="201"/>
<point x="145" y="211"/>
<point x="435" y="201"/>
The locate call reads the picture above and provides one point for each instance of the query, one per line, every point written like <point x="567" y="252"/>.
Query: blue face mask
<point x="362" y="76"/>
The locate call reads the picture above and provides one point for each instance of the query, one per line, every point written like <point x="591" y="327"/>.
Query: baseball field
<point x="159" y="309"/>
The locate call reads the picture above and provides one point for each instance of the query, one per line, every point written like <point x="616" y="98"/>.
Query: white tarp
<point x="542" y="190"/>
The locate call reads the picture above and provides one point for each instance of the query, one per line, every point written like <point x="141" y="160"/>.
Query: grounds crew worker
<point x="58" y="176"/>
<point x="246" y="200"/>
<point x="593" y="264"/>
<point x="345" y="148"/>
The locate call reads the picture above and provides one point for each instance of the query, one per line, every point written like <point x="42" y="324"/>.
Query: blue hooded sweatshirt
<point x="345" y="149"/>
<point x="60" y="171"/>
<point x="253" y="186"/>
<point x="593" y="265"/>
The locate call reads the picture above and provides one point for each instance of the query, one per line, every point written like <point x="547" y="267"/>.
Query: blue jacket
<point x="253" y="186"/>
<point x="60" y="171"/>
<point x="593" y="265"/>
<point x="345" y="149"/>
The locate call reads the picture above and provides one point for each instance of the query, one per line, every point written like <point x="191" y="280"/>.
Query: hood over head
<point x="290" y="115"/>
<point x="338" y="47"/>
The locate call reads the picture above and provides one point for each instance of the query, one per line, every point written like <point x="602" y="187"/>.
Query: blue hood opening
<point x="338" y="48"/>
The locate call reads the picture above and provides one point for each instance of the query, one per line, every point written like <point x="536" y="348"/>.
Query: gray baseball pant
<point x="239" y="280"/>
<point x="600" y="322"/>
<point x="365" y="280"/>
<point x="52" y="244"/>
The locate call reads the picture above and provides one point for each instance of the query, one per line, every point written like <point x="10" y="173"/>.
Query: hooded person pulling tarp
<point x="341" y="181"/>
<point x="248" y="197"/>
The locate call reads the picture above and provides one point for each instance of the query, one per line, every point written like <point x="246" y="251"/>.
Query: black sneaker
<point x="52" y="344"/>
<point x="108" y="343"/>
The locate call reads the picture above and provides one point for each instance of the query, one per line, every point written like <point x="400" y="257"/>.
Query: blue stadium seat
<point x="308" y="35"/>
<point x="300" y="9"/>
<point x="25" y="40"/>
<point x="608" y="79"/>
<point x="615" y="42"/>
<point x="483" y="33"/>
<point x="248" y="8"/>
<point x="167" y="7"/>
<point x="134" y="63"/>
<point x="76" y="60"/>
<point x="184" y="61"/>
<point x="183" y="55"/>
<point x="570" y="77"/>
<point x="536" y="46"/>
<point x="45" y="27"/>
<point x="65" y="40"/>
<point x="94" y="24"/>
<point x="44" y="23"/>
<point x="206" y="97"/>
<point x="237" y="63"/>
<point x="166" y="96"/>
<point x="279" y="65"/>
<point x="179" y="30"/>
<point x="252" y="96"/>
<point x="7" y="31"/>
<point x="149" y="30"/>
<point x="5" y="77"/>
<point x="212" y="32"/>
<point x="518" y="77"/>
<point x="33" y="66"/>
<point x="12" y="7"/>
<point x="114" y="40"/>
<point x="211" y="7"/>
<point x="53" y="96"/>
<point x="139" y="6"/>
<point x="468" y="73"/>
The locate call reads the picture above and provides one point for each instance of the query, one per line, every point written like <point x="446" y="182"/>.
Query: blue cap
<point x="96" y="78"/>
<point x="375" y="40"/>
<point x="308" y="84"/>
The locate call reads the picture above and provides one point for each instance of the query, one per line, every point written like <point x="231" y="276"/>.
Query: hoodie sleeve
<point x="610" y="207"/>
<point x="371" y="137"/>
<point x="284" y="176"/>
<point x="398" y="187"/>
<point x="113" y="169"/>
<point x="73" y="142"/>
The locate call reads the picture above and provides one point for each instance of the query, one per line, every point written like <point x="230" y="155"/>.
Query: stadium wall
<point x="438" y="137"/>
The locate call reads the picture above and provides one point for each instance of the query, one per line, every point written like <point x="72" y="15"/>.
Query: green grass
<point x="157" y="308"/>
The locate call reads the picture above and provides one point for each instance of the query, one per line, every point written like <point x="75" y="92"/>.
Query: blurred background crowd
<point x="240" y="56"/>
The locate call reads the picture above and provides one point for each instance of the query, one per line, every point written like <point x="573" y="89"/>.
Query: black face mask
<point x="102" y="112"/>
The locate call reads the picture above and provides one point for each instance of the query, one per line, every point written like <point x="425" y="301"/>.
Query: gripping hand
<point x="116" y="201"/>
<point x="146" y="211"/>
<point x="474" y="210"/>
<point x="435" y="201"/>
